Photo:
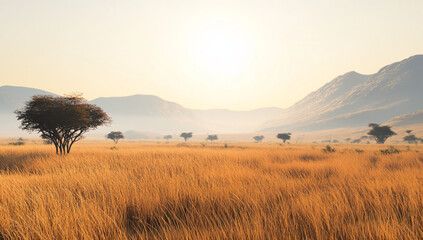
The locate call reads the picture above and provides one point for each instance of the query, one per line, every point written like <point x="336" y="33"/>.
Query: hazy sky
<point x="202" y="54"/>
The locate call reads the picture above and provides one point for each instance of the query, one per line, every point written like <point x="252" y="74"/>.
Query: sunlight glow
<point x="221" y="49"/>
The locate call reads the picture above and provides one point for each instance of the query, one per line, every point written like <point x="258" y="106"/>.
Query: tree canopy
<point x="411" y="139"/>
<point x="258" y="138"/>
<point x="115" y="136"/>
<point x="284" y="136"/>
<point x="63" y="120"/>
<point x="380" y="133"/>
<point x="186" y="136"/>
<point x="211" y="138"/>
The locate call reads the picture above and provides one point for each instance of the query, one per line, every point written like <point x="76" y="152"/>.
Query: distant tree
<point x="186" y="136"/>
<point x="211" y="138"/>
<point x="284" y="136"/>
<point x="356" y="140"/>
<point x="63" y="120"/>
<point x="115" y="136"/>
<point x="380" y="133"/>
<point x="408" y="131"/>
<point x="411" y="139"/>
<point x="167" y="137"/>
<point x="258" y="138"/>
<point x="347" y="139"/>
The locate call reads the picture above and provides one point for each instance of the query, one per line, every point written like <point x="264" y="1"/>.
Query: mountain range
<point x="144" y="115"/>
<point x="392" y="95"/>
<point x="354" y="99"/>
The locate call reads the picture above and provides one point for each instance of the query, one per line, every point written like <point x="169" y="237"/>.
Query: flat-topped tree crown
<point x="380" y="133"/>
<point x="211" y="138"/>
<point x="115" y="136"/>
<point x="258" y="138"/>
<point x="167" y="137"/>
<point x="186" y="135"/>
<point x="284" y="136"/>
<point x="411" y="139"/>
<point x="63" y="120"/>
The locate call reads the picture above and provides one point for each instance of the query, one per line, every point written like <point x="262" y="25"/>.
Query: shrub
<point x="390" y="150"/>
<point x="17" y="143"/>
<point x="328" y="149"/>
<point x="359" y="150"/>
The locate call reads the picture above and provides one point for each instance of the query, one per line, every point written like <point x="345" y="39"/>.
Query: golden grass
<point x="245" y="191"/>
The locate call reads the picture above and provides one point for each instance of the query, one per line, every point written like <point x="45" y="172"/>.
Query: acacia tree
<point x="211" y="138"/>
<point x="284" y="136"/>
<point x="258" y="138"/>
<point x="167" y="137"/>
<point x="380" y="133"/>
<point x="186" y="136"/>
<point x="115" y="136"/>
<point x="63" y="120"/>
<point x="411" y="139"/>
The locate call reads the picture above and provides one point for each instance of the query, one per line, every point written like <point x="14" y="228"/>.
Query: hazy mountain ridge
<point x="407" y="119"/>
<point x="153" y="114"/>
<point x="146" y="105"/>
<point x="392" y="95"/>
<point x="145" y="113"/>
<point x="353" y="99"/>
<point x="13" y="98"/>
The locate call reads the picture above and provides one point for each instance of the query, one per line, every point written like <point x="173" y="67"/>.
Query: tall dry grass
<point x="244" y="191"/>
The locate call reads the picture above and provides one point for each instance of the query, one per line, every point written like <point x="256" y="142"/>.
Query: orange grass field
<point x="197" y="191"/>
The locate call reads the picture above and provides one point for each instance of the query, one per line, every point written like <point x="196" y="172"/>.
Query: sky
<point x="235" y="54"/>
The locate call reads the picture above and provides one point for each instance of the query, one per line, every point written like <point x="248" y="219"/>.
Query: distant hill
<point x="407" y="119"/>
<point x="11" y="99"/>
<point x="392" y="95"/>
<point x="143" y="113"/>
<point x="354" y="99"/>
<point x="148" y="113"/>
<point x="143" y="105"/>
<point x="141" y="135"/>
<point x="153" y="114"/>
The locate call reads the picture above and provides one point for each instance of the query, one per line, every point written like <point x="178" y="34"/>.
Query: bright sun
<point x="221" y="49"/>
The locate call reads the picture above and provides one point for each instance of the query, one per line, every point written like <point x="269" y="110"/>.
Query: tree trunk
<point x="57" y="148"/>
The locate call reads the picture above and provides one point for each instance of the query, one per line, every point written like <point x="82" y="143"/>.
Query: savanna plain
<point x="211" y="191"/>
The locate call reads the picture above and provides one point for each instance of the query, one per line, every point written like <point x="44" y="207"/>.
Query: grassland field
<point x="211" y="191"/>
